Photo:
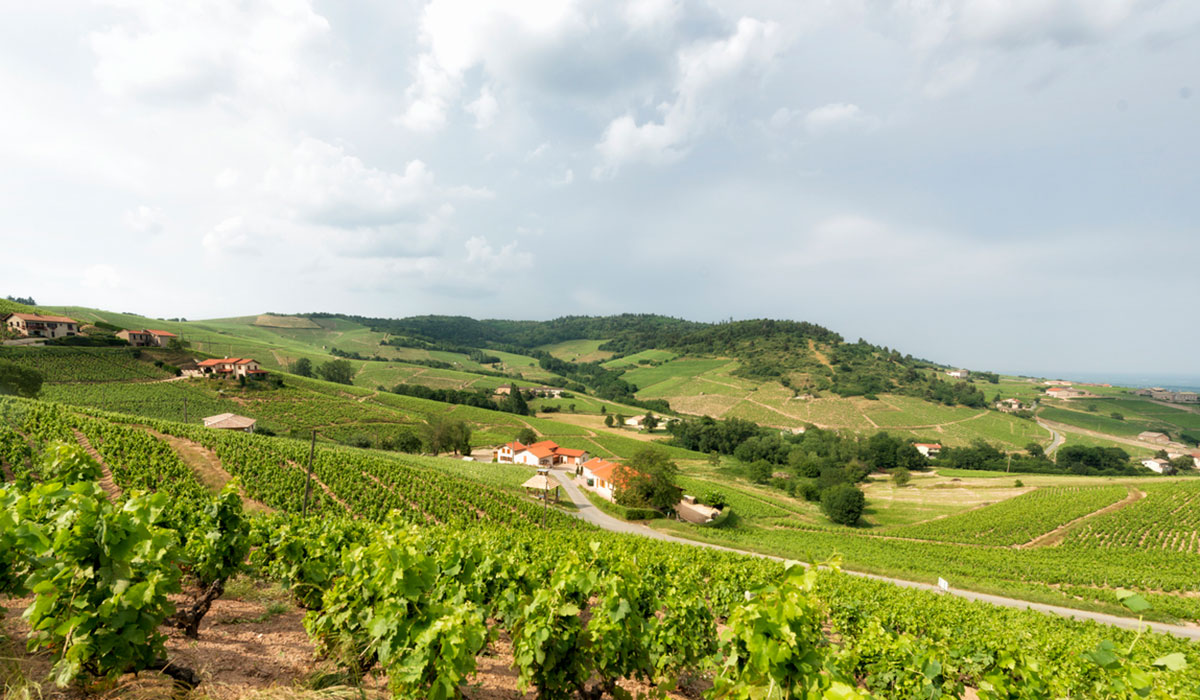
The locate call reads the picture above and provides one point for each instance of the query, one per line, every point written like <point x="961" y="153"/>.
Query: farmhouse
<point x="1158" y="466"/>
<point x="37" y="326"/>
<point x="1010" y="405"/>
<point x="1151" y="436"/>
<point x="958" y="373"/>
<point x="1065" y="392"/>
<point x="546" y="453"/>
<point x="230" y="421"/>
<point x="552" y="392"/>
<point x="146" y="337"/>
<point x="231" y="367"/>
<point x="928" y="449"/>
<point x="600" y="476"/>
<point x="1056" y="382"/>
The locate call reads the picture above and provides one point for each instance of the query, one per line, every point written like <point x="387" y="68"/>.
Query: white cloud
<point x="144" y="219"/>
<point x="484" y="109"/>
<point x="194" y="50"/>
<point x="101" y="277"/>
<point x="229" y="236"/>
<point x="226" y="179"/>
<point x="838" y="116"/>
<point x="324" y="184"/>
<point x="709" y="77"/>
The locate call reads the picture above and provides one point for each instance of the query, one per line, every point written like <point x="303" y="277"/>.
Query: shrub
<point x="901" y="477"/>
<point x="716" y="499"/>
<point x="843" y="503"/>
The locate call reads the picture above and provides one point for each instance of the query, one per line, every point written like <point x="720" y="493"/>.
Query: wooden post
<point x="308" y="482"/>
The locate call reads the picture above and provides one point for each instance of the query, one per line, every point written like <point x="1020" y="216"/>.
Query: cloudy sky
<point x="1005" y="184"/>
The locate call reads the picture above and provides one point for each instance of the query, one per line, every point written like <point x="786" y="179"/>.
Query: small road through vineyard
<point x="591" y="514"/>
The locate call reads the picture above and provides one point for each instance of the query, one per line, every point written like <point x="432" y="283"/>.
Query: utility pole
<point x="185" y="409"/>
<point x="308" y="483"/>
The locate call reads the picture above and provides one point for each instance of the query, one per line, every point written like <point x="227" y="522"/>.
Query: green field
<point x="578" y="350"/>
<point x="634" y="360"/>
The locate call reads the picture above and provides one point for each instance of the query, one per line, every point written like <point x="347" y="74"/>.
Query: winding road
<point x="1056" y="438"/>
<point x="591" y="514"/>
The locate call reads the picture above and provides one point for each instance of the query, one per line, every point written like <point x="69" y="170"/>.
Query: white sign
<point x="943" y="584"/>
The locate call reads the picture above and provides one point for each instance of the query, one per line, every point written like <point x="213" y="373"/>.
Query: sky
<point x="997" y="184"/>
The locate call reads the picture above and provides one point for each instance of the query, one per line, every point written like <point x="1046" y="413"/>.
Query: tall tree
<point x="339" y="371"/>
<point x="302" y="367"/>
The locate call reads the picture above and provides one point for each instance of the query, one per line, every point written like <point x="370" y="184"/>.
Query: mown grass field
<point x="632" y="360"/>
<point x="1100" y="422"/>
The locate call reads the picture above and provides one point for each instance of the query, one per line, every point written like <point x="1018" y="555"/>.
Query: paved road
<point x="1056" y="438"/>
<point x="599" y="518"/>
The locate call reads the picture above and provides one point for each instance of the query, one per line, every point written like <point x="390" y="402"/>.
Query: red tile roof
<point x="151" y="331"/>
<point x="514" y="446"/>
<point x="927" y="444"/>
<point x="567" y="452"/>
<point x="44" y="319"/>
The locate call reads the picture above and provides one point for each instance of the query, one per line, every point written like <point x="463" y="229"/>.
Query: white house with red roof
<point x="928" y="449"/>
<point x="146" y="337"/>
<point x="39" y="326"/>
<point x="546" y="453"/>
<point x="604" y="477"/>
<point x="231" y="367"/>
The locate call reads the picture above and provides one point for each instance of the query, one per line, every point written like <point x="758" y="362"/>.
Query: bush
<point x="843" y="503"/>
<point x="716" y="499"/>
<point x="901" y="477"/>
<point x="1019" y="484"/>
<point x="809" y="492"/>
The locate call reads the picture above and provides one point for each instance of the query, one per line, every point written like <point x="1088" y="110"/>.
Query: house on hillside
<point x="146" y="337"/>
<point x="1010" y="405"/>
<point x="1065" y="392"/>
<point x="230" y="421"/>
<point x="1057" y="382"/>
<point x="600" y="476"/>
<point x="1186" y="397"/>
<point x="639" y="422"/>
<point x="1158" y="466"/>
<point x="38" y="326"/>
<point x="546" y="453"/>
<point x="928" y="449"/>
<point x="547" y="392"/>
<point x="231" y="367"/>
<point x="1151" y="436"/>
<point x="958" y="373"/>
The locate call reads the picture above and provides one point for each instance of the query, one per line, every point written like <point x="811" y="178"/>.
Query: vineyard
<point x="1016" y="520"/>
<point x="75" y="365"/>
<point x="1168" y="519"/>
<point x="418" y="583"/>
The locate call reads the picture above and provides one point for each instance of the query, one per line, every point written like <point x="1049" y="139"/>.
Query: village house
<point x="1151" y="436"/>
<point x="600" y="476"/>
<point x="928" y="449"/>
<point x="38" y="326"/>
<point x="546" y="453"/>
<point x="1010" y="405"/>
<point x="1057" y="382"/>
<point x="1158" y="466"/>
<point x="146" y="337"/>
<point x="551" y="392"/>
<point x="230" y="421"/>
<point x="958" y="373"/>
<point x="231" y="367"/>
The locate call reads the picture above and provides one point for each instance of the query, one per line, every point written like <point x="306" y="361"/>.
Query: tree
<point x="515" y="402"/>
<point x="1035" y="450"/>
<point x="447" y="435"/>
<point x="16" y="380"/>
<point x="526" y="436"/>
<point x="760" y="471"/>
<point x="648" y="481"/>
<point x="1117" y="416"/>
<point x="901" y="477"/>
<point x="302" y="367"/>
<point x="608" y="420"/>
<point x="338" y="371"/>
<point x="650" y="422"/>
<point x="716" y="499"/>
<point x="843" y="503"/>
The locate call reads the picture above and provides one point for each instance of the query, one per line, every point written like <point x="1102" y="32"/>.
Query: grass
<point x="634" y="359"/>
<point x="1099" y="422"/>
<point x="578" y="350"/>
<point x="647" y="377"/>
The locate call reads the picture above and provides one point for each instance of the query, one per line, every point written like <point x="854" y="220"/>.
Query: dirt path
<point x="328" y="491"/>
<point x="371" y="395"/>
<point x="206" y="465"/>
<point x="106" y="480"/>
<point x="1056" y="535"/>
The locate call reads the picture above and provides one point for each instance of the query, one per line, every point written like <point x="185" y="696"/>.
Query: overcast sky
<point x="1004" y="184"/>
